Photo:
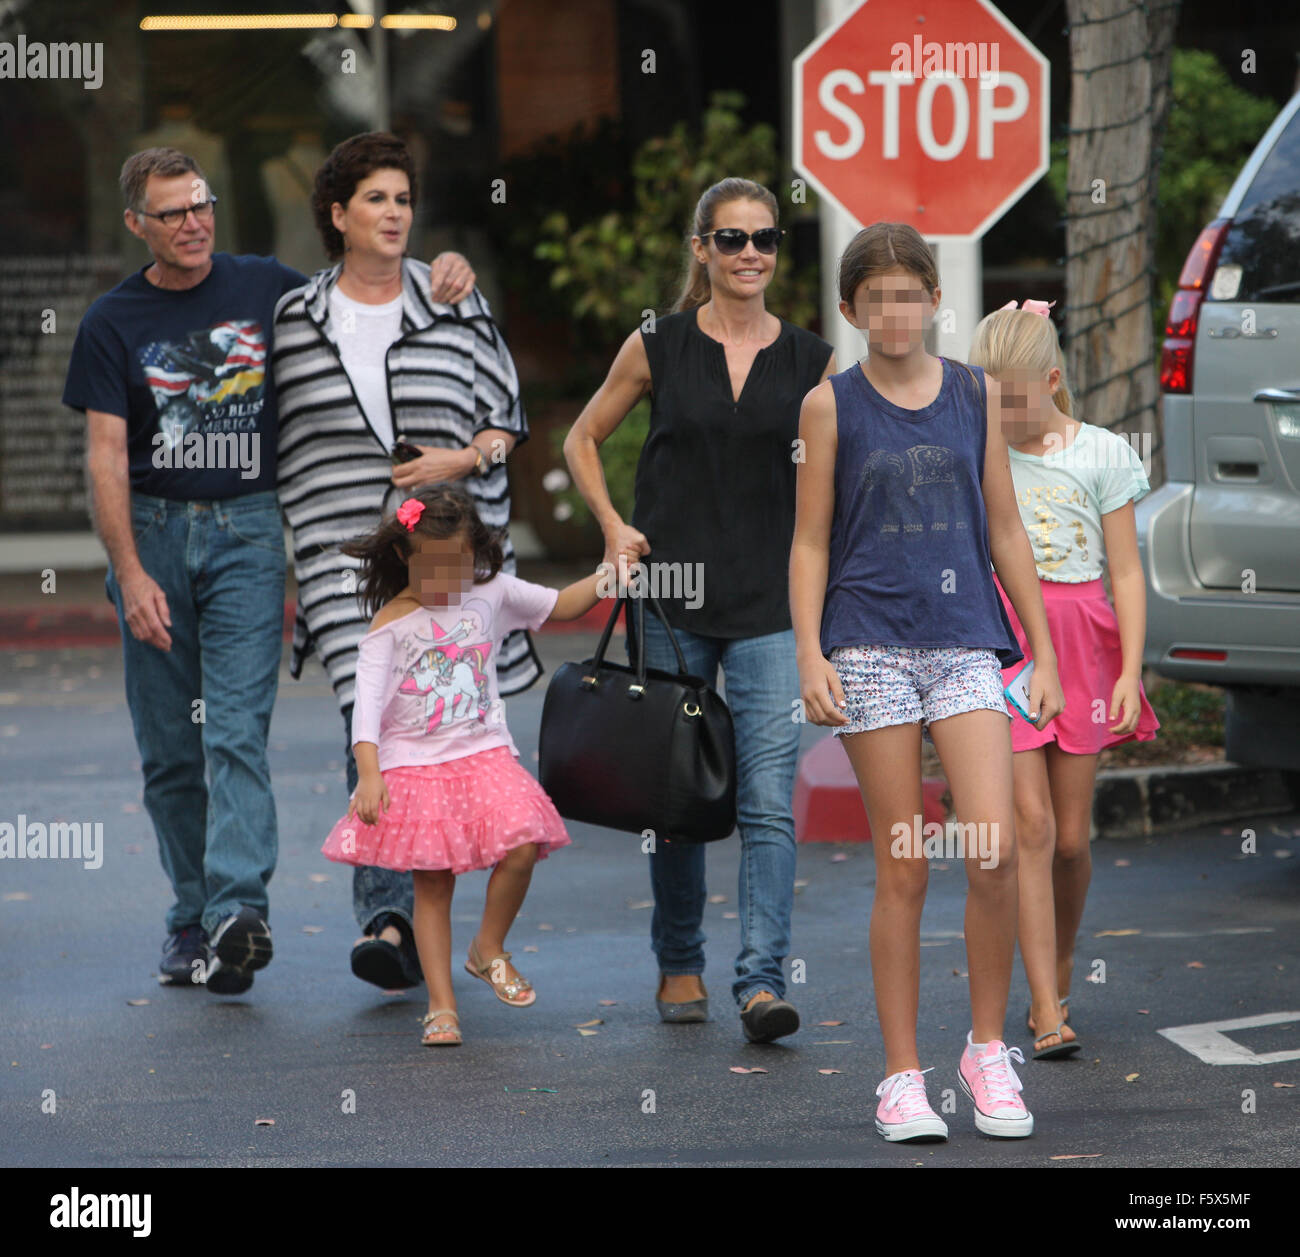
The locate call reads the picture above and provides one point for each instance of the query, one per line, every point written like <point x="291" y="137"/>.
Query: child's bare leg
<point x="1036" y="842"/>
<point x="506" y="890"/>
<point x="1073" y="778"/>
<point x="887" y="763"/>
<point x="431" y="924"/>
<point x="975" y="748"/>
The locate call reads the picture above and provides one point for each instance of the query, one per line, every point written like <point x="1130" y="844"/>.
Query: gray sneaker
<point x="240" y="945"/>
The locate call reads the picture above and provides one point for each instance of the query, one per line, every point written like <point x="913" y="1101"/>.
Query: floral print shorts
<point x="901" y="685"/>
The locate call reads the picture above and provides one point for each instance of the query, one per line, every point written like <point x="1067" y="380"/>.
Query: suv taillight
<point x="1185" y="308"/>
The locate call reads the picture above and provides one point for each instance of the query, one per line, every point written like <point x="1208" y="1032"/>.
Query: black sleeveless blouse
<point x="715" y="480"/>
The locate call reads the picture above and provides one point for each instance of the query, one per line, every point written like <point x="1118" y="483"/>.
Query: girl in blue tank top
<point x="904" y="506"/>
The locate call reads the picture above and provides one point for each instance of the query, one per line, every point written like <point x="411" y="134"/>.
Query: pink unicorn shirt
<point x="426" y="688"/>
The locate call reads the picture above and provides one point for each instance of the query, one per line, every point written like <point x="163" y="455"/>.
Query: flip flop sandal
<point x="505" y="991"/>
<point x="1029" y="1008"/>
<point x="440" y="1025"/>
<point x="1057" y="1051"/>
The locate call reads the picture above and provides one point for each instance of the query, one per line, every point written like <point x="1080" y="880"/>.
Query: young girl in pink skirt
<point x="1076" y="485"/>
<point x="440" y="792"/>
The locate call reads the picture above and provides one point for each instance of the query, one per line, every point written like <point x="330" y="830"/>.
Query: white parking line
<point x="1207" y="1042"/>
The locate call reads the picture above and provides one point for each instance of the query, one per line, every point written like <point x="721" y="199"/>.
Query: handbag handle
<point x="638" y="662"/>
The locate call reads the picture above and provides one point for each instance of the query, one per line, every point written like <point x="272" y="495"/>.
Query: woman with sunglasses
<point x="715" y="496"/>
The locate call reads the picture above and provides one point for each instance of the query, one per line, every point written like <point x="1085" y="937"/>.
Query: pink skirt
<point x="1085" y="635"/>
<point x="461" y="815"/>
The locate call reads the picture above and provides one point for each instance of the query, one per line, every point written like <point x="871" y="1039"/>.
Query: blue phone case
<point x="1022" y="676"/>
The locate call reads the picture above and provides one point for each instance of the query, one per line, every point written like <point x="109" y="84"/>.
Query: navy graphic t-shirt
<point x="189" y="371"/>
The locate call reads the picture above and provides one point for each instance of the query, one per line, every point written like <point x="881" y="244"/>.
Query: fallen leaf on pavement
<point x="545" y="926"/>
<point x="318" y="877"/>
<point x="828" y="1071"/>
<point x="1121" y="864"/>
<point x="17" y="896"/>
<point x="1115" y="933"/>
<point x="1146" y="1012"/>
<point x="588" y="1033"/>
<point x="717" y="899"/>
<point x="830" y="1023"/>
<point x="264" y="1121"/>
<point x="731" y="916"/>
<point x="831" y="1042"/>
<point x="607" y="1003"/>
<point x="1131" y="1077"/>
<point x="1074" y="1156"/>
<point x="640" y="903"/>
<point x="313" y="929"/>
<point x="1195" y="964"/>
<point x="530" y="947"/>
<point x="1276" y="1084"/>
<point x="838" y="858"/>
<point x="800" y="883"/>
<point x="740" y="1069"/>
<point x="595" y="1021"/>
<point x="136" y="1003"/>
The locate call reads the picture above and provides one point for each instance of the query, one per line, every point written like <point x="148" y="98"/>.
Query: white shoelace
<point x="907" y="1094"/>
<point x="1001" y="1082"/>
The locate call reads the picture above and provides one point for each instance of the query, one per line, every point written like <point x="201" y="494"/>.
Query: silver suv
<point x="1220" y="540"/>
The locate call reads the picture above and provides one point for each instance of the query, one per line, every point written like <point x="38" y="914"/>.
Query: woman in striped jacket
<point x="369" y="370"/>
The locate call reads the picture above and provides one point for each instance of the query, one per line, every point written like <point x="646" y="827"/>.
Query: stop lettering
<point x="944" y="129"/>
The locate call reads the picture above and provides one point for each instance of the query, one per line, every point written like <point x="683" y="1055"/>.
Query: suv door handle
<point x="1281" y="396"/>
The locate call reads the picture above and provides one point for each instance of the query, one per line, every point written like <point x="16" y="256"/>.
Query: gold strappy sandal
<point x="505" y="991"/>
<point x="440" y="1026"/>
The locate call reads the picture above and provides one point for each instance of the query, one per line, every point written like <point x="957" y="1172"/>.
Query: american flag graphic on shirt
<point x="194" y="380"/>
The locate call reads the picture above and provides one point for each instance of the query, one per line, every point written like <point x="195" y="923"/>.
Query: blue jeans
<point x="207" y="785"/>
<point x="762" y="683"/>
<point x="375" y="890"/>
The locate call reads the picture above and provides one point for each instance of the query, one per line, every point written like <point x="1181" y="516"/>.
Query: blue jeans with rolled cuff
<point x="375" y="891"/>
<point x="762" y="688"/>
<point x="202" y="710"/>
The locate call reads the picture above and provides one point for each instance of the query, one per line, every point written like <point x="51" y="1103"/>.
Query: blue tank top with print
<point x="909" y="547"/>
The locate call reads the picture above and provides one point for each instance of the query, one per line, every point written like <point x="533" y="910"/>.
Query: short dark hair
<point x="352" y="161"/>
<point x="137" y="168"/>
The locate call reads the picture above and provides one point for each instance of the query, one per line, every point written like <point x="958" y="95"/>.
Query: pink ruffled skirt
<point x="1085" y="636"/>
<point x="461" y="815"/>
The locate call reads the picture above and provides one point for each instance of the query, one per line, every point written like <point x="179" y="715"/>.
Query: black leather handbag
<point x="637" y="748"/>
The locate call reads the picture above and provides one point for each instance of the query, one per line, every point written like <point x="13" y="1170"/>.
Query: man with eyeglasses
<point x="170" y="368"/>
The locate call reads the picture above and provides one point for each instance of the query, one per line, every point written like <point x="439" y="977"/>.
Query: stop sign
<point x="929" y="112"/>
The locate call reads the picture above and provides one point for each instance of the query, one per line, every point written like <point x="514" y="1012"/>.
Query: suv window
<point x="1264" y="240"/>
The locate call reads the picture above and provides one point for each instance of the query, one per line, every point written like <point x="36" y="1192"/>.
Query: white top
<point x="364" y="334"/>
<point x="426" y="689"/>
<point x="1063" y="494"/>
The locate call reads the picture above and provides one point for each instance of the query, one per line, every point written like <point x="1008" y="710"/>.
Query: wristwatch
<point x="481" y="465"/>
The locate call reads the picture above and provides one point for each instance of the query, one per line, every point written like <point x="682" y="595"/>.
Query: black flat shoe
<point x="385" y="964"/>
<point x="769" y="1019"/>
<point x="240" y="946"/>
<point x="690" y="1010"/>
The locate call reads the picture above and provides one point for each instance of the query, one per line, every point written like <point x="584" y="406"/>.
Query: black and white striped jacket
<point x="450" y="376"/>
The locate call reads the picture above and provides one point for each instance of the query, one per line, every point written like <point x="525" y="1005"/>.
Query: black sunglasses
<point x="731" y="240"/>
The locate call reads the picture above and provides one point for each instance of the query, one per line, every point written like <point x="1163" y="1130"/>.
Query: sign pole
<point x="961" y="284"/>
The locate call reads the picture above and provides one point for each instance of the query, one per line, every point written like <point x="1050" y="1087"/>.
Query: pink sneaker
<point x="904" y="1113"/>
<point x="995" y="1090"/>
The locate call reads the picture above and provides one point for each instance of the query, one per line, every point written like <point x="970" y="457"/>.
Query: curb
<point x="1134" y="802"/>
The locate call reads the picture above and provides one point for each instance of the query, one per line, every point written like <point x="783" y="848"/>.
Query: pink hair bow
<point x="1032" y="307"/>
<point x="409" y="513"/>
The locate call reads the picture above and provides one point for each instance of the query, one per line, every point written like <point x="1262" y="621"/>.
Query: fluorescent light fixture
<point x="239" y="22"/>
<point x="418" y="22"/>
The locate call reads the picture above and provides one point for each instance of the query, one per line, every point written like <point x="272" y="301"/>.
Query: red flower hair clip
<point x="409" y="513"/>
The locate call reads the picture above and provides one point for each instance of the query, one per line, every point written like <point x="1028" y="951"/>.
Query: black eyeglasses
<point x="731" y="240"/>
<point x="172" y="218"/>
